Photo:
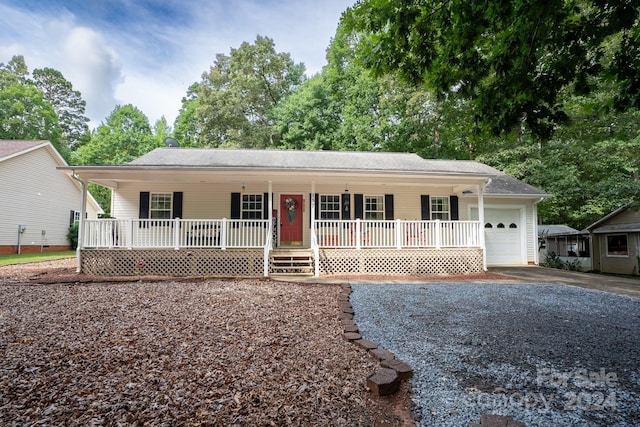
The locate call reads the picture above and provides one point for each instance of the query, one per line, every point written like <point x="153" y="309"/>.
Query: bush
<point x="72" y="235"/>
<point x="553" y="261"/>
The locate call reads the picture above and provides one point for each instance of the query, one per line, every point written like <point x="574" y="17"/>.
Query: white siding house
<point x="248" y="212"/>
<point x="36" y="198"/>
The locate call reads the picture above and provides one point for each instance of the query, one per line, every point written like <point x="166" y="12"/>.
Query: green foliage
<point x="125" y="136"/>
<point x="24" y="114"/>
<point x="510" y="59"/>
<point x="102" y="196"/>
<point x="68" y="104"/>
<point x="232" y="105"/>
<point x="187" y="127"/>
<point x="14" y="72"/>
<point x="72" y="235"/>
<point x="552" y="260"/>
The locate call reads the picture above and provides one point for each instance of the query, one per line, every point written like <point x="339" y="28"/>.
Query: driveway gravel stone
<point x="546" y="355"/>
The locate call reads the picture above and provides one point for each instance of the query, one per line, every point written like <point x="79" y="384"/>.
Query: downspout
<point x="83" y="212"/>
<point x="536" y="256"/>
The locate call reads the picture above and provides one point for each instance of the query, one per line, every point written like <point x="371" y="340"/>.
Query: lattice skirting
<point x="170" y="262"/>
<point x="410" y="262"/>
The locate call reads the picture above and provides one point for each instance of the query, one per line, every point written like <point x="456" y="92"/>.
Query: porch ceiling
<point x="112" y="176"/>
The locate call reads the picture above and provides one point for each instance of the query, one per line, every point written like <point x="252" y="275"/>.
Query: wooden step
<point x="291" y="262"/>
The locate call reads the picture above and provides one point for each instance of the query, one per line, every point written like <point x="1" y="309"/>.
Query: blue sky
<point x="147" y="53"/>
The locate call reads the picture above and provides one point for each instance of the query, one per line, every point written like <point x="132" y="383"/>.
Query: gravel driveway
<point x="547" y="355"/>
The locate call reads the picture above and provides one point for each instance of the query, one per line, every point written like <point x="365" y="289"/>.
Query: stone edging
<point x="387" y="378"/>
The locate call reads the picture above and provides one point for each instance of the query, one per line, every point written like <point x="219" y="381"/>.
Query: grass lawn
<point x="35" y="257"/>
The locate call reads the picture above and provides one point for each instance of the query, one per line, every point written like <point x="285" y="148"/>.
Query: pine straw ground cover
<point x="207" y="352"/>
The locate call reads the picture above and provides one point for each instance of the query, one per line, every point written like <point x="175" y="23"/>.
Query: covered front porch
<point x="229" y="247"/>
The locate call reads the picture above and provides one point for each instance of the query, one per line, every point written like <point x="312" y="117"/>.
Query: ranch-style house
<point x="235" y="212"/>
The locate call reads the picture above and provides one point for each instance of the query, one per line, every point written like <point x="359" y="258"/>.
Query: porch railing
<point x="176" y="233"/>
<point x="396" y="234"/>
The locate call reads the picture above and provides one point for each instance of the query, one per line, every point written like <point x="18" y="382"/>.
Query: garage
<point x="503" y="236"/>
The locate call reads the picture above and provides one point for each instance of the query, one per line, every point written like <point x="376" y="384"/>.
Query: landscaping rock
<point x="348" y="322"/>
<point x="404" y="370"/>
<point x="350" y="328"/>
<point x="346" y="308"/>
<point x="383" y="382"/>
<point x="352" y="336"/>
<point x="380" y="354"/>
<point x="366" y="344"/>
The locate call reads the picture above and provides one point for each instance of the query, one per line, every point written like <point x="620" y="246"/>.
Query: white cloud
<point x="151" y="59"/>
<point x="93" y="68"/>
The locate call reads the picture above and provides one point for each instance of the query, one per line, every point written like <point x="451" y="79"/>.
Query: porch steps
<point x="298" y="262"/>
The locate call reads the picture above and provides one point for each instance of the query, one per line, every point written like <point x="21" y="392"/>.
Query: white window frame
<point x="160" y="212"/>
<point x="252" y="206"/>
<point x="440" y="202"/>
<point x="378" y="213"/>
<point x="76" y="216"/>
<point x="329" y="209"/>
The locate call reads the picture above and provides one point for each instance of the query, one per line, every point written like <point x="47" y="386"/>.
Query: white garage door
<point x="503" y="236"/>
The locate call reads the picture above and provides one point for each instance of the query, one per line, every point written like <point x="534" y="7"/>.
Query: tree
<point x="125" y="136"/>
<point x="161" y="130"/>
<point x="236" y="96"/>
<point x="510" y="59"/>
<point x="14" y="72"/>
<point x="68" y="104"/>
<point x="24" y="114"/>
<point x="187" y="127"/>
<point x="346" y="108"/>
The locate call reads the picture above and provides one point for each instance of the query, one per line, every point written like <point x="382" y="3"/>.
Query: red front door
<point x="291" y="219"/>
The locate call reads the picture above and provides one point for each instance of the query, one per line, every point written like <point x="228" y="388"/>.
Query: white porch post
<point x="81" y="225"/>
<point x="314" y="243"/>
<point x="536" y="256"/>
<point x="481" y="221"/>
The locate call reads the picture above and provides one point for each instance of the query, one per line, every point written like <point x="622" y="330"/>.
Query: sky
<point x="148" y="52"/>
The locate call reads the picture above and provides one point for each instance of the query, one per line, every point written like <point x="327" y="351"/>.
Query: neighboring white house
<point x="38" y="202"/>
<point x="255" y="212"/>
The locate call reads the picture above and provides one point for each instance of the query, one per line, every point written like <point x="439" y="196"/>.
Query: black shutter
<point x="345" y="215"/>
<point x="265" y="206"/>
<point x="358" y="201"/>
<point x="453" y="207"/>
<point x="72" y="217"/>
<point x="177" y="204"/>
<point x="235" y="206"/>
<point x="425" y="207"/>
<point x="388" y="207"/>
<point x="143" y="212"/>
<point x="144" y="205"/>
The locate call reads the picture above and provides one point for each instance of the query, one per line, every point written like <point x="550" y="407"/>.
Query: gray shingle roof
<point x="14" y="146"/>
<point x="327" y="161"/>
<point x="307" y="160"/>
